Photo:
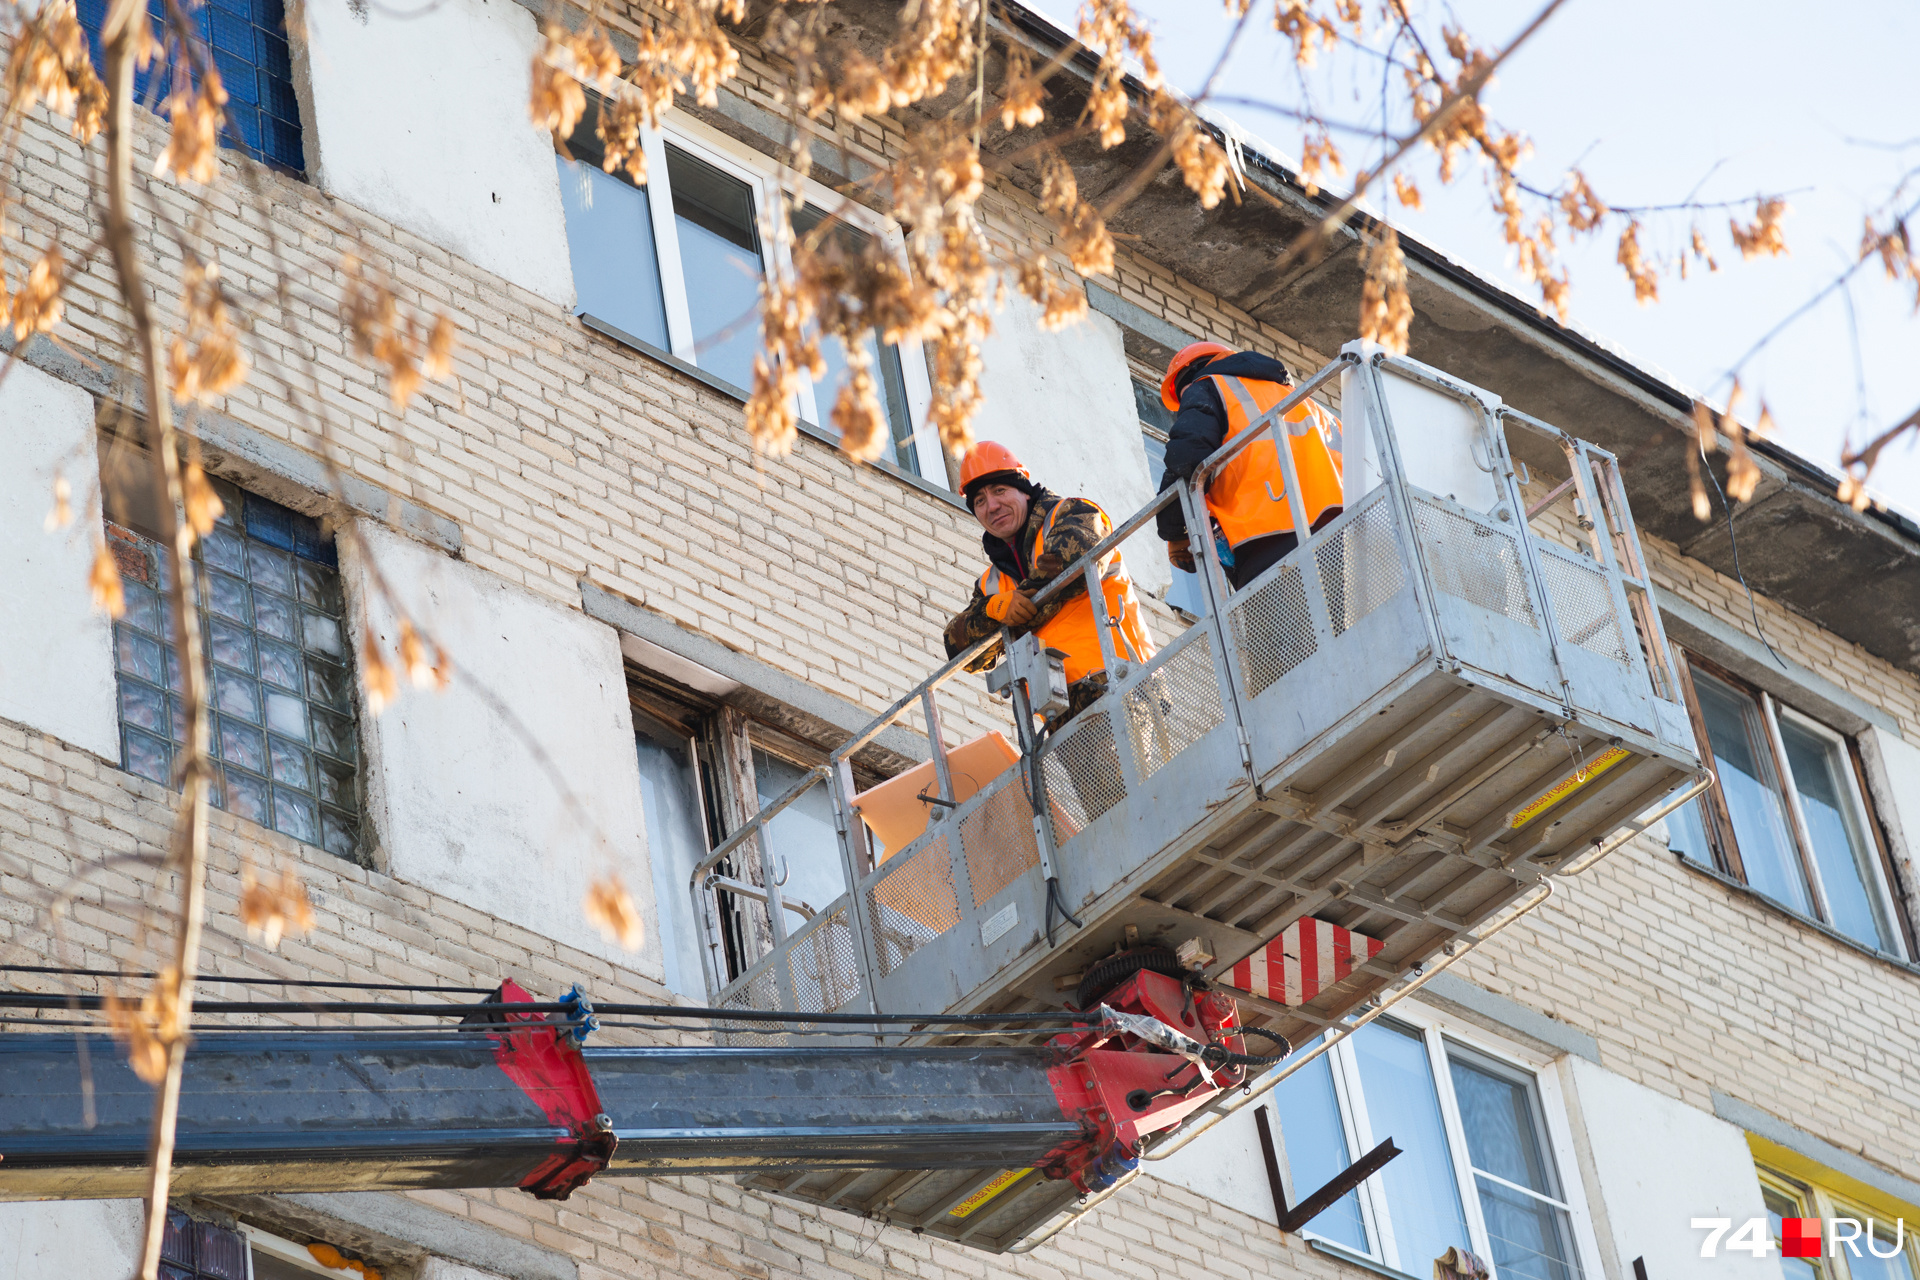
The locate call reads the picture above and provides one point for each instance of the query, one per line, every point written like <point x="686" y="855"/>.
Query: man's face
<point x="1001" y="509"/>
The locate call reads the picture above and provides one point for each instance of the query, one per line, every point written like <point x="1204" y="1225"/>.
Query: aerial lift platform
<point x="1345" y="776"/>
<point x="1403" y="729"/>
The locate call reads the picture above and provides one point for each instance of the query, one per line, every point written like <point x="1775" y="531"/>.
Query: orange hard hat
<point x="1188" y="355"/>
<point x="987" y="458"/>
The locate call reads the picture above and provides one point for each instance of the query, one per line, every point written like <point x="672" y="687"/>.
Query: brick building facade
<point x="580" y="519"/>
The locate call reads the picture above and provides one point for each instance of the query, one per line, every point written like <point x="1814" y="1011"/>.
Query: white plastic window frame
<point x="295" y="1255"/>
<point x="1436" y="1029"/>
<point x="762" y="175"/>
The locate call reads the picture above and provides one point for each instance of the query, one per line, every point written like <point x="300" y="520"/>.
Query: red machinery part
<point x="545" y="1062"/>
<point x="1121" y="1088"/>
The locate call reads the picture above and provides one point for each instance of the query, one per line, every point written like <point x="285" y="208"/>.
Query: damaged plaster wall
<point x="464" y="786"/>
<point x="56" y="649"/>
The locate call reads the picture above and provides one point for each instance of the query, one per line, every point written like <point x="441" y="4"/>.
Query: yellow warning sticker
<point x="1000" y="1183"/>
<point x="1568" y="785"/>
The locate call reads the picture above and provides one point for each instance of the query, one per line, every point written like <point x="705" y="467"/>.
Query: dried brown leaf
<point x="610" y="908"/>
<point x="271" y="911"/>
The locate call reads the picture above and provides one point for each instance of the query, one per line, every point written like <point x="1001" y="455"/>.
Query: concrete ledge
<point x="1510" y="1015"/>
<point x="755" y="675"/>
<point x="1746" y="657"/>
<point x="1139" y="321"/>
<point x="1766" y="1125"/>
<point x="386" y="1222"/>
<point x="269" y="466"/>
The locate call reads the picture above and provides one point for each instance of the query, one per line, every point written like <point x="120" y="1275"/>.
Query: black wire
<point x="1733" y="542"/>
<point x="57" y="1000"/>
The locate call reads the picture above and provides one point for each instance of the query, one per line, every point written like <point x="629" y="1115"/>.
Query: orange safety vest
<point x="1072" y="630"/>
<point x="1248" y="496"/>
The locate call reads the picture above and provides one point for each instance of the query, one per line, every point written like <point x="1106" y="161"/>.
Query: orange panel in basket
<point x="893" y="810"/>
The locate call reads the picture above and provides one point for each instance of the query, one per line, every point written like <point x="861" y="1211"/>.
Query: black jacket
<point x="1201" y="425"/>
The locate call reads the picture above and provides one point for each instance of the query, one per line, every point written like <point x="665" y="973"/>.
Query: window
<point x="248" y="40"/>
<point x="677" y="264"/>
<point x="1478" y="1167"/>
<point x="705" y="765"/>
<point x="191" y="1249"/>
<point x="1864" y="1236"/>
<point x="280" y="675"/>
<point x="1789" y="816"/>
<point x="1155" y="423"/>
<point x="194" y="1250"/>
<point x="675" y="786"/>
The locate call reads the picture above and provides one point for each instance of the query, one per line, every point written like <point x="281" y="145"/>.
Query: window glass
<point x="802" y="836"/>
<point x="272" y="619"/>
<point x="886" y="361"/>
<point x="1780" y="1205"/>
<point x="1687" y="833"/>
<point x="616" y="271"/>
<point x="1885" y="1258"/>
<point x="1155" y="422"/>
<point x="248" y="41"/>
<point x="676" y="842"/>
<point x="1743" y="762"/>
<point x="1840" y="848"/>
<point x="1317" y="1148"/>
<point x="1530" y="1234"/>
<point x="720" y="260"/>
<point x="1423" y="1199"/>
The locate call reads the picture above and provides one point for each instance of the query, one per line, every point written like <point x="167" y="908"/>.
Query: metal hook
<point x="781" y="883"/>
<point x="1474" y="454"/>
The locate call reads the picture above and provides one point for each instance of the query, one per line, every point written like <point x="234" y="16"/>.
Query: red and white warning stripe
<point x="1308" y="957"/>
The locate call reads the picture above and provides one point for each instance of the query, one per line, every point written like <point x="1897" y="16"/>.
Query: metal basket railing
<point x="940" y="903"/>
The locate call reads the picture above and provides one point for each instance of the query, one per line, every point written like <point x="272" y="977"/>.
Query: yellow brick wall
<point x="563" y="456"/>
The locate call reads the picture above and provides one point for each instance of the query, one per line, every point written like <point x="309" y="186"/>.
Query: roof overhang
<point x="1855" y="574"/>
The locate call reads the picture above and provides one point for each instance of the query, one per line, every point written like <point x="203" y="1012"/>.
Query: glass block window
<point x="195" y="1250"/>
<point x="248" y="39"/>
<point x="272" y="620"/>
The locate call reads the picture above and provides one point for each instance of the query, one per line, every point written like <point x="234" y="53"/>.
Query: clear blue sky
<point x="1651" y="98"/>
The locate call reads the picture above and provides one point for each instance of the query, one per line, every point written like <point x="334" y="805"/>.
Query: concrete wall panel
<point x="1063" y="402"/>
<point x="461" y="799"/>
<point x="475" y="178"/>
<point x="78" y="1238"/>
<point x="1226" y="1166"/>
<point x="56" y="650"/>
<point x="1698" y="1166"/>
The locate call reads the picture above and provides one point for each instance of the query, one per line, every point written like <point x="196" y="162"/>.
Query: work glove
<point x="1014" y="608"/>
<point x="1180" y="555"/>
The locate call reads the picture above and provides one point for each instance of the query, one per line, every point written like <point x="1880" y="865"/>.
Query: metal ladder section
<point x="1402" y="728"/>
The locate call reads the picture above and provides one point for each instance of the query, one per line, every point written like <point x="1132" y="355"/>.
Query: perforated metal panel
<point x="1582" y="603"/>
<point x="761" y="992"/>
<point x="1274" y="629"/>
<point x="1360" y="570"/>
<point x="825" y="966"/>
<point x="1174" y="707"/>
<point x="1082" y="770"/>
<point x="913" y="905"/>
<point x="997" y="839"/>
<point x="1473" y="561"/>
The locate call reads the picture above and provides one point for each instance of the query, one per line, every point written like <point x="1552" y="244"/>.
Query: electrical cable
<point x="1733" y="543"/>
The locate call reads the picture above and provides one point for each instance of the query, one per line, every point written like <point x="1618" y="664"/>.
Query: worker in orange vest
<point x="1215" y="394"/>
<point x="1031" y="535"/>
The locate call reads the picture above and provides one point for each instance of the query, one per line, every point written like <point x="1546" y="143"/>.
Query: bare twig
<point x="120" y="34"/>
